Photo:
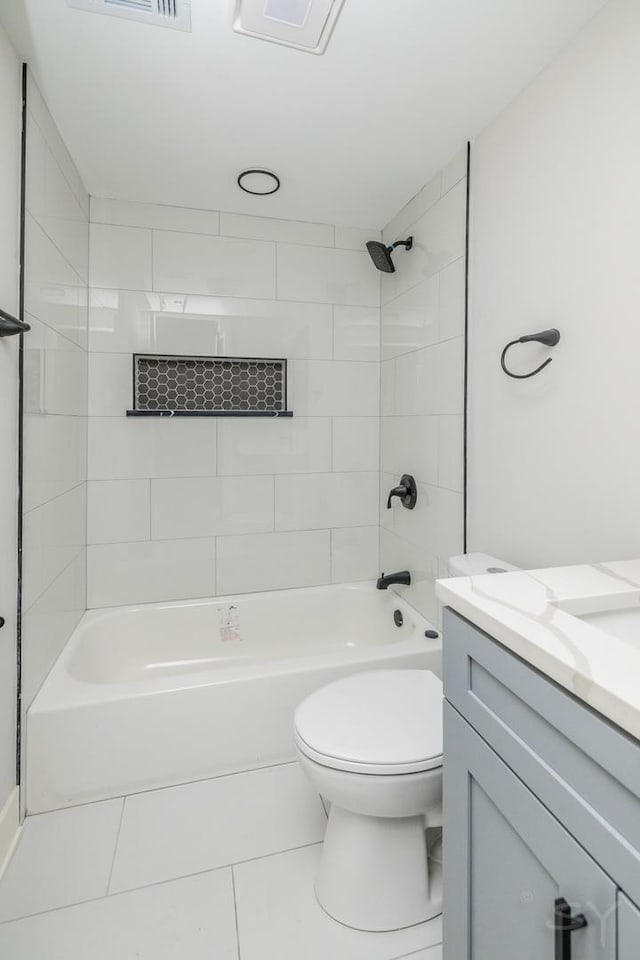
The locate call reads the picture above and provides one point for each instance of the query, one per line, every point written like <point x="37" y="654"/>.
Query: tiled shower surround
<point x="55" y="397"/>
<point x="181" y="508"/>
<point x="423" y="312"/>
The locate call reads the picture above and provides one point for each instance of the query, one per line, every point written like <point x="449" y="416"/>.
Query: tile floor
<point x="216" y="870"/>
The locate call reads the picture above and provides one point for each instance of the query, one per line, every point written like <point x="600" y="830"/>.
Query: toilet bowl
<point x="372" y="745"/>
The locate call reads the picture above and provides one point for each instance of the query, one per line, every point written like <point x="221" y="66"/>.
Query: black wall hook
<point x="548" y="337"/>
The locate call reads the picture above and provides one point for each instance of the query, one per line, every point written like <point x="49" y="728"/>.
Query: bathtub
<point x="158" y="694"/>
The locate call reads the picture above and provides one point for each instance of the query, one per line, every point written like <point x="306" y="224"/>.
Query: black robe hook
<point x="548" y="337"/>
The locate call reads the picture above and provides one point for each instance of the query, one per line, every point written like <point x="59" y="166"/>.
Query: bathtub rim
<point x="62" y="690"/>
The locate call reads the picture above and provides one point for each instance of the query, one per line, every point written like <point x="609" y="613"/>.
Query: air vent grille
<point x="162" y="13"/>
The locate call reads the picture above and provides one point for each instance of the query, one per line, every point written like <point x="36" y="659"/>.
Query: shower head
<point x="380" y="253"/>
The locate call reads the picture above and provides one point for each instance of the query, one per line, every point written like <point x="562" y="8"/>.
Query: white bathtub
<point x="159" y="694"/>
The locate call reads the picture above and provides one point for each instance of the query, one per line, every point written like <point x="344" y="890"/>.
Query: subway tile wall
<point x="422" y="384"/>
<point x="188" y="508"/>
<point x="55" y="397"/>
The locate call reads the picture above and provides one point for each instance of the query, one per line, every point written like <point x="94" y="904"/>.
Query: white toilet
<point x="372" y="745"/>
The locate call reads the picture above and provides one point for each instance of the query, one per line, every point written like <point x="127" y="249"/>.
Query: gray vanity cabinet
<point x="516" y="861"/>
<point x="628" y="929"/>
<point x="540" y="834"/>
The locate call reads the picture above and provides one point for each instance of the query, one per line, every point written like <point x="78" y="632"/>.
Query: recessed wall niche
<point x="208" y="386"/>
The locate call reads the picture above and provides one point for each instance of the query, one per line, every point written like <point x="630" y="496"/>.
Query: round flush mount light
<point x="258" y="182"/>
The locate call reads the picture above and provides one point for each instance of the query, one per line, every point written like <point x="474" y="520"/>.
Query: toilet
<point x="371" y="744"/>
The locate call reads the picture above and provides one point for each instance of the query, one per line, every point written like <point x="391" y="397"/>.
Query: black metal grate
<point x="212" y="384"/>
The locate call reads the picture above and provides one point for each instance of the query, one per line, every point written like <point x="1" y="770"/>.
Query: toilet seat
<point x="382" y="723"/>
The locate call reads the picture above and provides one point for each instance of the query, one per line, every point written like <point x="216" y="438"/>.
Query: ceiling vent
<point x="303" y="24"/>
<point x="162" y="13"/>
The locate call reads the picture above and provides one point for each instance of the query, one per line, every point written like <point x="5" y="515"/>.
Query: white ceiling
<point x="158" y="115"/>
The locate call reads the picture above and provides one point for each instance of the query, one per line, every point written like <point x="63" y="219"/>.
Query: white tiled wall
<point x="185" y="508"/>
<point x="422" y="384"/>
<point x="55" y="397"/>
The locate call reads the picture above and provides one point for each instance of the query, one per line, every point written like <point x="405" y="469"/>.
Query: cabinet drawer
<point x="585" y="770"/>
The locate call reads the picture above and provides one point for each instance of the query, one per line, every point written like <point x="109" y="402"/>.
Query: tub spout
<point x="403" y="578"/>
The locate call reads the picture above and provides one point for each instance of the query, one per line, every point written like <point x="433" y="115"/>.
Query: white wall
<point x="423" y="384"/>
<point x="55" y="397"/>
<point x="555" y="461"/>
<point x="10" y="123"/>
<point x="197" y="507"/>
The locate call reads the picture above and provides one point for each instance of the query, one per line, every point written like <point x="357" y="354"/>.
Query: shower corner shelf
<point x="264" y="414"/>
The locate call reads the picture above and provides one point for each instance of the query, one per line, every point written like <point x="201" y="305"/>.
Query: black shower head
<point x="380" y="253"/>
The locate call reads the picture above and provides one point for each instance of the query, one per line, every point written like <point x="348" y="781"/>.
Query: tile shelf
<point x="270" y="414"/>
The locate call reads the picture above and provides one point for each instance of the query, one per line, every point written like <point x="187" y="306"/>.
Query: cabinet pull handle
<point x="564" y="926"/>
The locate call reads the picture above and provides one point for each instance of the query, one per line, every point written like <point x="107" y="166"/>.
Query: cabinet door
<point x="507" y="861"/>
<point x="628" y="929"/>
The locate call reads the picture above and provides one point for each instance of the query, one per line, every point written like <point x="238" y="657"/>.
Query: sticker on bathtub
<point x="229" y="623"/>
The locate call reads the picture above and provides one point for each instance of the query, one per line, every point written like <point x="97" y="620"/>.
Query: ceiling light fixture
<point x="302" y="24"/>
<point x="258" y="182"/>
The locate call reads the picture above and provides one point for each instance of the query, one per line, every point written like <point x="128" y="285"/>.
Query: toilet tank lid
<point x="384" y="717"/>
<point x="472" y="564"/>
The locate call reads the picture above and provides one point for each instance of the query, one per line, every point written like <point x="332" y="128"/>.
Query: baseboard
<point x="9" y="828"/>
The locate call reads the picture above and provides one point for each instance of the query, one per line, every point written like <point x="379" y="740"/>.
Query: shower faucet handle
<point x="407" y="492"/>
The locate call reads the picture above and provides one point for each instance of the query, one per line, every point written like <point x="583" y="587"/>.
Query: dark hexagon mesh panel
<point x="209" y="383"/>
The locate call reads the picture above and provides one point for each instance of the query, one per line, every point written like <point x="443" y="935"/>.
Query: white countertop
<point x="534" y="613"/>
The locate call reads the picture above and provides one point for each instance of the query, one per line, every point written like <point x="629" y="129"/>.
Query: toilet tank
<point x="472" y="564"/>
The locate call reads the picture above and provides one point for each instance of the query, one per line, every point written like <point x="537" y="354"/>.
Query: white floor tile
<point x="191" y="919"/>
<point x="431" y="953"/>
<point x="279" y="917"/>
<point x="200" y="826"/>
<point x="63" y="857"/>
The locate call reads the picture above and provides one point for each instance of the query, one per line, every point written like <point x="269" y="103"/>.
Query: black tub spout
<point x="403" y="578"/>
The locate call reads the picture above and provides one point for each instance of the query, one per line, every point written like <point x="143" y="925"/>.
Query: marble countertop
<point x="536" y="614"/>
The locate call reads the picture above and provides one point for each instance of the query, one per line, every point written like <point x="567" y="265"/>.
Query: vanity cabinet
<point x="542" y="814"/>
<point x="628" y="928"/>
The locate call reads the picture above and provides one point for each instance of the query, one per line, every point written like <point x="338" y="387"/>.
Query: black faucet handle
<point x="399" y="491"/>
<point x="406" y="491"/>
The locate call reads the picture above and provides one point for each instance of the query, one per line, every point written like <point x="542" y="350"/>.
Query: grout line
<point x="275" y="278"/>
<point x="331" y="565"/>
<point x="35" y="600"/>
<point x="332" y="441"/>
<point x="160" y="883"/>
<point x="333" y="331"/>
<point x="170" y="786"/>
<point x="57" y="136"/>
<point x="148" y="479"/>
<point x="115" y="847"/>
<point x="222" y="866"/>
<point x="57" y="496"/>
<point x="59" y="333"/>
<point x="235" y="911"/>
<point x="433" y="946"/>
<point x="84" y="282"/>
